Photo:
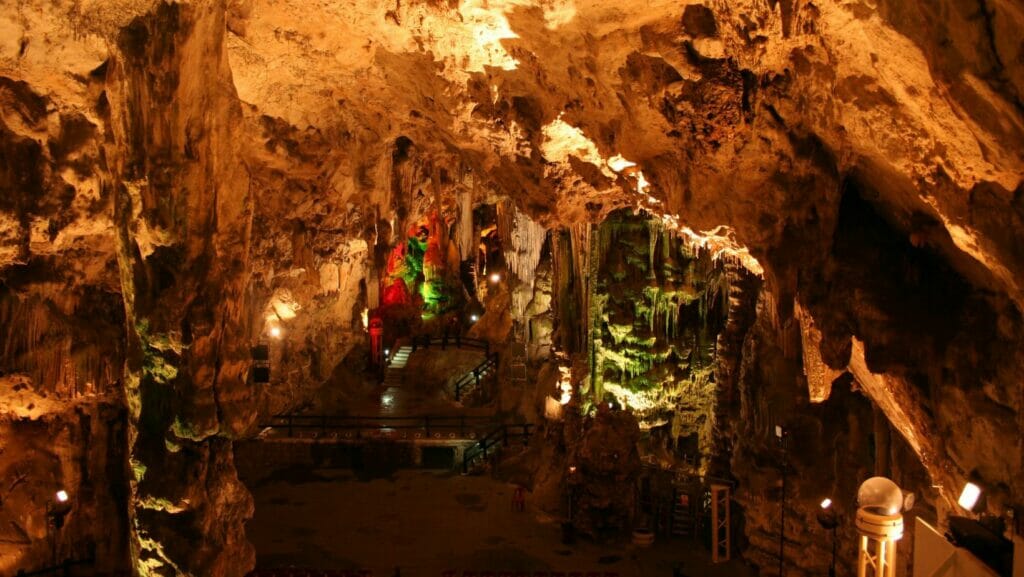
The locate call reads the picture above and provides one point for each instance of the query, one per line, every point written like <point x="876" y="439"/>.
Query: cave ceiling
<point x="743" y="119"/>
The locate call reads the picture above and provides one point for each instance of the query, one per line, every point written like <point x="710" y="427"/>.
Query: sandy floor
<point x="428" y="522"/>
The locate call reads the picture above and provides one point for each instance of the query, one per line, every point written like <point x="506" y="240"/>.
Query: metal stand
<point x="720" y="523"/>
<point x="878" y="536"/>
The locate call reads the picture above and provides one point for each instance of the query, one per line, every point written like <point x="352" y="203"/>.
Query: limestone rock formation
<point x="178" y="178"/>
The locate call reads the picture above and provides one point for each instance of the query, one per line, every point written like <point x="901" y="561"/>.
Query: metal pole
<point x="782" y="516"/>
<point x="832" y="566"/>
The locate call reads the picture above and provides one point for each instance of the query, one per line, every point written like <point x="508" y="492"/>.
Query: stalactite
<point x="580" y="242"/>
<point x="654" y="230"/>
<point x="596" y="310"/>
<point x="522" y="241"/>
<point x="465" y="197"/>
<point x="39" y="339"/>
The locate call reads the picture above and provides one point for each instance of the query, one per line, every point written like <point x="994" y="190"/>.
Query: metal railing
<point x="502" y="436"/>
<point x="457" y="340"/>
<point x="472" y="378"/>
<point x="358" y="427"/>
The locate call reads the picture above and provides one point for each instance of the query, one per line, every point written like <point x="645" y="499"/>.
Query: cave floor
<point x="427" y="522"/>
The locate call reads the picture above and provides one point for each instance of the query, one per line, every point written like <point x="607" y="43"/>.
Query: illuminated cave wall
<point x="662" y="304"/>
<point x="422" y="272"/>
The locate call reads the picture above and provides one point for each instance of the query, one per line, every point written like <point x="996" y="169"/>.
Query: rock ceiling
<point x="728" y="109"/>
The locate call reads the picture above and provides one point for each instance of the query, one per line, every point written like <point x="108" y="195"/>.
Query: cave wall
<point x="52" y="445"/>
<point x="907" y="385"/>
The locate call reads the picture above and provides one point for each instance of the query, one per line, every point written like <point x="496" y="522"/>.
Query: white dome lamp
<point x="880" y="524"/>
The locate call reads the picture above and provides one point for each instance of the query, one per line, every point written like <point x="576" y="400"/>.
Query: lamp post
<point x="880" y="525"/>
<point x="781" y="433"/>
<point x="56" y="511"/>
<point x="828" y="520"/>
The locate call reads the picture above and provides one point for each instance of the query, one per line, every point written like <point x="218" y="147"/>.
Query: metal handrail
<point x="427" y="423"/>
<point x="458" y="340"/>
<point x="474" y="375"/>
<point x="499" y="435"/>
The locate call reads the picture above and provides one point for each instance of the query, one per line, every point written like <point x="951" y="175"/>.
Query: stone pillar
<point x="182" y="217"/>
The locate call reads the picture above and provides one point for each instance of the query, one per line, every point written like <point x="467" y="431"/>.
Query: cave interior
<point x="677" y="279"/>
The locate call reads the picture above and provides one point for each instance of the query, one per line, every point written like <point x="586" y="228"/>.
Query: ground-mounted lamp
<point x="495" y="278"/>
<point x="275" y="332"/>
<point x="981" y="533"/>
<point x="880" y="524"/>
<point x="474" y="317"/>
<point x="828" y="519"/>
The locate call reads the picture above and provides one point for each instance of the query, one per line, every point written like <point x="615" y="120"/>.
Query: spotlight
<point x="387" y="352"/>
<point x="275" y="332"/>
<point x="474" y="318"/>
<point x="572" y="469"/>
<point x="495" y="278"/>
<point x="969" y="496"/>
<point x="828" y="520"/>
<point x="57" y="510"/>
<point x="780" y="431"/>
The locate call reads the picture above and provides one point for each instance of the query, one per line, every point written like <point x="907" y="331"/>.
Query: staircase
<point x="469" y="383"/>
<point x="394" y="375"/>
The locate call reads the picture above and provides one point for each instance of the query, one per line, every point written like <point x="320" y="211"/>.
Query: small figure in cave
<point x="519" y="499"/>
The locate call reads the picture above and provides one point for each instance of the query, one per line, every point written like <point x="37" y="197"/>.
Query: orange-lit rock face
<point x="193" y="163"/>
